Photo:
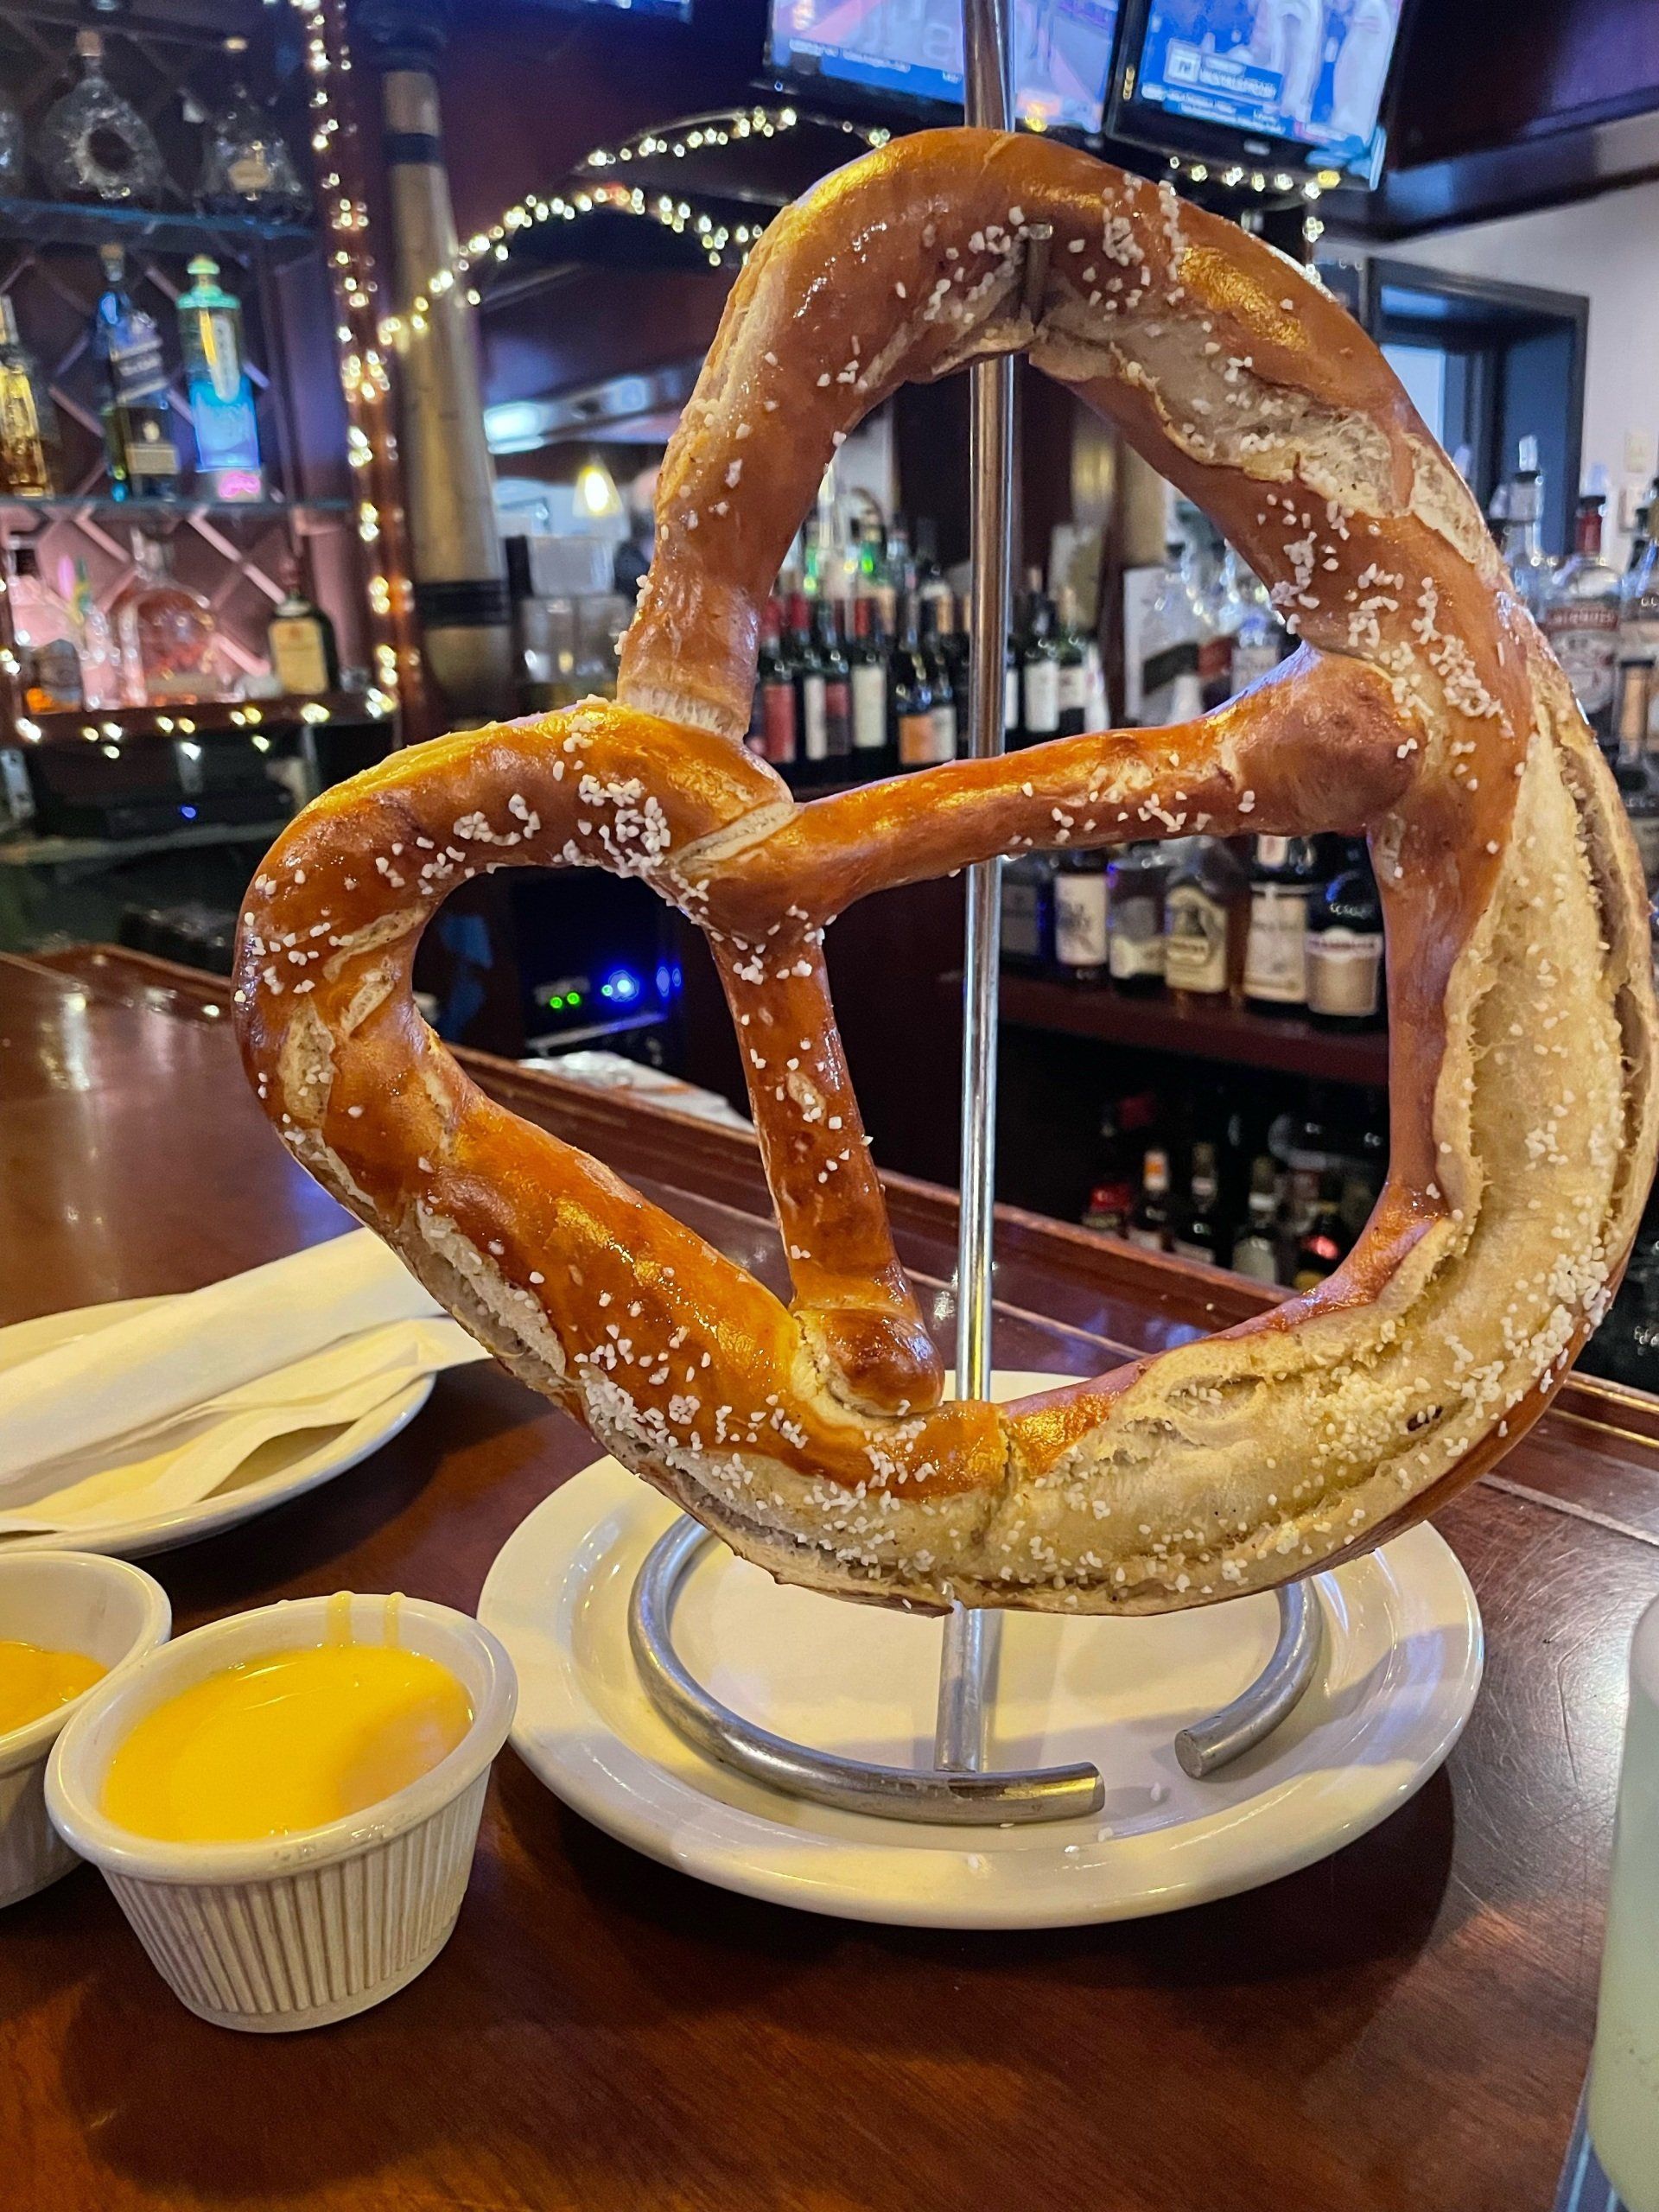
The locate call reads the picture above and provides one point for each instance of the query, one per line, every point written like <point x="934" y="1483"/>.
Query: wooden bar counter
<point x="1404" y="2028"/>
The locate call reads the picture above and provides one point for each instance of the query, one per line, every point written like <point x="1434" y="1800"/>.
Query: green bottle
<point x="221" y="397"/>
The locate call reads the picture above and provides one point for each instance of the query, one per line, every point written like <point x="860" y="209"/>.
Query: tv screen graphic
<point x="912" y="49"/>
<point x="1309" y="71"/>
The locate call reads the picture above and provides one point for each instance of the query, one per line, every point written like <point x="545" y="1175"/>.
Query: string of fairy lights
<point x="673" y="210"/>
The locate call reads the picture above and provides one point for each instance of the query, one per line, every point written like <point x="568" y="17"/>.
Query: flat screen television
<point x="910" y="50"/>
<point x="1297" y="83"/>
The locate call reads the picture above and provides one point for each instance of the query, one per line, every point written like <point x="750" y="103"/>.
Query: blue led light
<point x="621" y="987"/>
<point x="188" y="812"/>
<point x="665" y="979"/>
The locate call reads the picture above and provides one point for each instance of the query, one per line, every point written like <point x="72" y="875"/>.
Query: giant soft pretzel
<point x="1423" y="710"/>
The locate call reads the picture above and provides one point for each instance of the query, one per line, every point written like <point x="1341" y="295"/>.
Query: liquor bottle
<point x="1635" y="770"/>
<point x="43" y="635"/>
<point x="1580" y="620"/>
<point x="1283" y="881"/>
<point x="29" y="424"/>
<point x="953" y="644"/>
<point x="1198" y="1231"/>
<point x="1134" y="914"/>
<point x="807" y="668"/>
<point x="1638" y="612"/>
<point x="12" y="149"/>
<point x="222" y="396"/>
<point x="94" y="144"/>
<point x="837" y="685"/>
<point x="1149" y="1222"/>
<point x="246" y="167"/>
<point x="143" y="461"/>
<point x="913" y="694"/>
<point x="166" y="630"/>
<point x="1013" y="734"/>
<point x="1096" y="706"/>
<point x="866" y="659"/>
<point x="103" y="674"/>
<point x="1123" y="1128"/>
<point x="1255" y="1254"/>
<point x="1530" y="565"/>
<point x="1073" y="668"/>
<point x="1082" y="951"/>
<point x="1258" y="636"/>
<point x="1218" y="612"/>
<point x="1344" y="943"/>
<point x="775" y="689"/>
<point x="1027" y="901"/>
<point x="1321" y="1245"/>
<point x="1206" y="910"/>
<point x="1039" y="675"/>
<point x="304" y="657"/>
<point x="1171" y="690"/>
<point x="940" y="681"/>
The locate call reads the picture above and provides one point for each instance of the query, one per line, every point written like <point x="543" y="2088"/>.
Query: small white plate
<point x="1402" y="1665"/>
<point x="276" y="1471"/>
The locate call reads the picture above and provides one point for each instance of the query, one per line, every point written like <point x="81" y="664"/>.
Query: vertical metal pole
<point x="971" y="1638"/>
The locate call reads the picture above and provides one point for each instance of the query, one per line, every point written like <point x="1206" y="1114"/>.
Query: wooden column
<point x="459" y="575"/>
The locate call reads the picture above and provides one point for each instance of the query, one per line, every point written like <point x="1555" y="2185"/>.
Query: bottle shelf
<point x="1233" y="1034"/>
<point x="62" y="852"/>
<point x="164" y="230"/>
<point x="68" y="507"/>
<point x="210" y="717"/>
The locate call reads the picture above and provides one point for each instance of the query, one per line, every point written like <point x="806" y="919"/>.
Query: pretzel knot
<point x="1422" y="711"/>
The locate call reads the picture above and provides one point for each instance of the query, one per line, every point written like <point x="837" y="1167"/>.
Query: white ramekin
<point x="294" y="1931"/>
<point x="64" y="1601"/>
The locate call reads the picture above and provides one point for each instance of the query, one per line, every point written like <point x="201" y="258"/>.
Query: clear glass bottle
<point x="103" y="675"/>
<point x="221" y="394"/>
<point x="1635" y="770"/>
<point x="246" y="167"/>
<point x="1172" y="689"/>
<point x="28" y="423"/>
<point x="167" y="631"/>
<point x="94" y="144"/>
<point x="1206" y="906"/>
<point x="1580" y="618"/>
<point x="1530" y="565"/>
<point x="137" y="416"/>
<point x="43" y="634"/>
<point x="1258" y="638"/>
<point x="1638" y="617"/>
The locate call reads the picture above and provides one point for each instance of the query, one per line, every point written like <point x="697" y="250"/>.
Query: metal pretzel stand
<point x="956" y="1791"/>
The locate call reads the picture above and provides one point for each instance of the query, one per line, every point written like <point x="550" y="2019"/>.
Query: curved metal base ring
<point x="1005" y="1799"/>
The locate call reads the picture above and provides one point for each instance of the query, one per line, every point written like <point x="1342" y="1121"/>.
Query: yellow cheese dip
<point x="285" y="1741"/>
<point x="33" y="1681"/>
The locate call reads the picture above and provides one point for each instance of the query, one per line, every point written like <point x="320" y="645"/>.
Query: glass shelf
<point x="166" y="229"/>
<point x="66" y="507"/>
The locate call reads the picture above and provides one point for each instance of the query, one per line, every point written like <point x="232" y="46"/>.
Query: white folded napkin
<point x="125" y="1381"/>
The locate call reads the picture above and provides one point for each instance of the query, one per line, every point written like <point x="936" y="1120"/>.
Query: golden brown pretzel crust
<point x="1423" y="711"/>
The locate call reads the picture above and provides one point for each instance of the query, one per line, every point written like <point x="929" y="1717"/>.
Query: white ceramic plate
<point x="277" y="1470"/>
<point x="1401" y="1666"/>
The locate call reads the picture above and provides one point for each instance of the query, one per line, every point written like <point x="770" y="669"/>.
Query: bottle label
<point x="1042" y="697"/>
<point x="1021" y="918"/>
<point x="20" y="429"/>
<point x="152" y="454"/>
<point x="226" y="434"/>
<point x="1080" y="939"/>
<point x="1149" y="1240"/>
<point x="869" y="706"/>
<point x="915" y="738"/>
<point x="1275" y="953"/>
<point x="837" y="716"/>
<point x="1161" y="674"/>
<point x="814" y="723"/>
<point x="1583" y="637"/>
<point x="1137" y="935"/>
<point x="249" y="171"/>
<point x="1258" y="658"/>
<point x="1195" y="940"/>
<point x="137" y="369"/>
<point x="944" y="732"/>
<point x="1344" y="967"/>
<point x="778" y="720"/>
<point x="299" y="655"/>
<point x="1011" y="699"/>
<point x="1252" y="1256"/>
<point x="1074" y="688"/>
<point x="50" y="676"/>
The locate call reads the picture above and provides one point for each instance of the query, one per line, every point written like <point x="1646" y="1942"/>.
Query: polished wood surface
<point x="1401" y="2029"/>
